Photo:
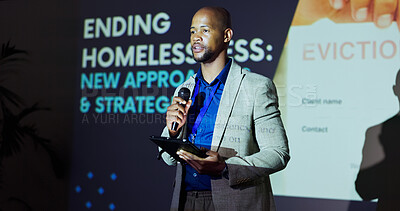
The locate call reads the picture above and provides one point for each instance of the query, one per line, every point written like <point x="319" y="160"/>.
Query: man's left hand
<point x="211" y="165"/>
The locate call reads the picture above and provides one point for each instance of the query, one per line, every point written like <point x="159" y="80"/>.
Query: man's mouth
<point x="197" y="48"/>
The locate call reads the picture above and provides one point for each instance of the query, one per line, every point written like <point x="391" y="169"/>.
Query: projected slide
<point x="339" y="82"/>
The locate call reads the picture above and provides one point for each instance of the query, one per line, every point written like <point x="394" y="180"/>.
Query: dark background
<point x="35" y="174"/>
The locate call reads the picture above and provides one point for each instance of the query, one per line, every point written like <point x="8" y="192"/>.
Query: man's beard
<point x="208" y="54"/>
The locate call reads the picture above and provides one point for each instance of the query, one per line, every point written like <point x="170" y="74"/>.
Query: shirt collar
<point x="222" y="76"/>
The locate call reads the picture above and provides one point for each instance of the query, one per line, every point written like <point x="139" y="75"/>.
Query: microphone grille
<point x="184" y="93"/>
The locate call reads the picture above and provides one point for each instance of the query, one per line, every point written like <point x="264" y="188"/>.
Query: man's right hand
<point x="177" y="112"/>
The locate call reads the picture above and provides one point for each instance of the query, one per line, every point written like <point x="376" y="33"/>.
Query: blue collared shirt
<point x="205" y="131"/>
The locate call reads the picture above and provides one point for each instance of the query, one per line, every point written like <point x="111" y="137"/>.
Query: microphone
<point x="183" y="93"/>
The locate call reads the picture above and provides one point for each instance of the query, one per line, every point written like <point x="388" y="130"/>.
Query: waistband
<point x="199" y="194"/>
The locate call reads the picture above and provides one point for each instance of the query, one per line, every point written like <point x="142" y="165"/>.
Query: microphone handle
<point x="174" y="126"/>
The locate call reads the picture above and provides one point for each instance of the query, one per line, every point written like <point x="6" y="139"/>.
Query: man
<point x="378" y="177"/>
<point x="233" y="114"/>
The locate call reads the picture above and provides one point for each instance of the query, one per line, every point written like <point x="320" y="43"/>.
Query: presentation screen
<point x="334" y="69"/>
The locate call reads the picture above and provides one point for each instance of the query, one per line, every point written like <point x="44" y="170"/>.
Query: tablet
<point x="172" y="145"/>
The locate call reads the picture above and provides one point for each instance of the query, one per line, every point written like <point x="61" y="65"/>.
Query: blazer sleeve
<point x="270" y="136"/>
<point x="168" y="159"/>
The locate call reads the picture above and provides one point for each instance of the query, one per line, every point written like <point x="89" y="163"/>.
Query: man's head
<point x="211" y="32"/>
<point x="396" y="86"/>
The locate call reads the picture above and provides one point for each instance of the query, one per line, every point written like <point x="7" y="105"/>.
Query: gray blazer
<point x="250" y="136"/>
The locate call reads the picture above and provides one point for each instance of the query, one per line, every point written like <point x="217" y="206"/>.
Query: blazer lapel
<point x="190" y="84"/>
<point x="231" y="89"/>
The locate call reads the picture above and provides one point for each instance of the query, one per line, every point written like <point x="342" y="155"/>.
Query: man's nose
<point x="196" y="37"/>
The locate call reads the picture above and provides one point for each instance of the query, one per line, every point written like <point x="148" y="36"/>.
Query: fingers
<point x="177" y="103"/>
<point x="191" y="159"/>
<point x="360" y="9"/>
<point x="337" y="4"/>
<point x="384" y="12"/>
<point x="178" y="100"/>
<point x="210" y="165"/>
<point x="180" y="106"/>
<point x="174" y="114"/>
<point x="187" y="156"/>
<point x="381" y="12"/>
<point x="177" y="112"/>
<point x="187" y="106"/>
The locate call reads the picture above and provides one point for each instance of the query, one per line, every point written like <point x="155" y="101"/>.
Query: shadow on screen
<point x="379" y="175"/>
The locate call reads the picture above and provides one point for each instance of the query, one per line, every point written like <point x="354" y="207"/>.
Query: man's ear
<point x="228" y="34"/>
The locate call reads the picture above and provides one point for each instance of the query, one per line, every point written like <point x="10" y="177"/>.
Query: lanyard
<point x="204" y="109"/>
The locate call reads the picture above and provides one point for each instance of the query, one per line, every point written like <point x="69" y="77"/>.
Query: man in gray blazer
<point x="234" y="115"/>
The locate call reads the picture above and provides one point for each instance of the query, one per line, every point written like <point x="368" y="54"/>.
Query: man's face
<point x="206" y="36"/>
